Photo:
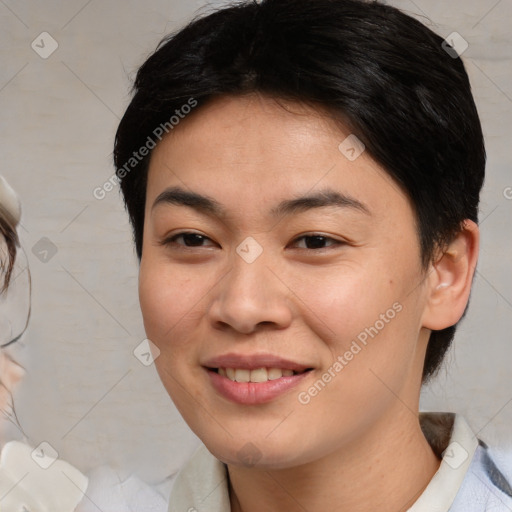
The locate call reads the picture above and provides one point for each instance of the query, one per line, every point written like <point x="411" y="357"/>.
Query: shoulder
<point x="488" y="483"/>
<point x="472" y="477"/>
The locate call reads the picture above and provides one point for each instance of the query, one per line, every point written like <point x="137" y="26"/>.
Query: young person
<point x="303" y="181"/>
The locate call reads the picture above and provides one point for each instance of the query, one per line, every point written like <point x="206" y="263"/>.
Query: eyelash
<point x="172" y="240"/>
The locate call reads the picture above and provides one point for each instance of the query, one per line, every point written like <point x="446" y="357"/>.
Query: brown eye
<point x="187" y="239"/>
<point x="317" y="242"/>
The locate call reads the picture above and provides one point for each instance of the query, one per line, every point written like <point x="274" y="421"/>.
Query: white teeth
<point x="242" y="375"/>
<point x="257" y="375"/>
<point x="274" y="373"/>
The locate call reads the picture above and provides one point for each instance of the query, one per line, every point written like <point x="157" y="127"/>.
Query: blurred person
<point x="30" y="479"/>
<point x="55" y="485"/>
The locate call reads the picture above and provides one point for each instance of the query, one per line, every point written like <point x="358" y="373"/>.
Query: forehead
<point x="253" y="151"/>
<point x="255" y="125"/>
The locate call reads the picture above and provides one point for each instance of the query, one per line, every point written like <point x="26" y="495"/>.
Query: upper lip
<point x="253" y="361"/>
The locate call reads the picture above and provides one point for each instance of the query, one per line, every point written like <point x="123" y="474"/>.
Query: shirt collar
<point x="457" y="453"/>
<point x="203" y="483"/>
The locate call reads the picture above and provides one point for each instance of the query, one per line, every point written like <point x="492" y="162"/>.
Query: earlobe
<point x="450" y="278"/>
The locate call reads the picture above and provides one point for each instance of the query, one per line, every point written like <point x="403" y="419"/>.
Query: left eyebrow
<point x="325" y="197"/>
<point x="209" y="206"/>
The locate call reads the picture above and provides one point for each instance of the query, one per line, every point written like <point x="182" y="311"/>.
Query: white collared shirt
<point x="467" y="479"/>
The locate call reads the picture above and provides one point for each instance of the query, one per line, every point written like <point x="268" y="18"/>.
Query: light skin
<point x="10" y="372"/>
<point x="357" y="445"/>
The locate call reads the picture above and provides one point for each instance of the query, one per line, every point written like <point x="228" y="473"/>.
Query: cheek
<point x="167" y="300"/>
<point x="173" y="300"/>
<point x="164" y="298"/>
<point x="154" y="299"/>
<point x="369" y="336"/>
<point x="343" y="301"/>
<point x="366" y="313"/>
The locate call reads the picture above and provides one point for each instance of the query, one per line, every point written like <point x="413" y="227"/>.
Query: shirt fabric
<point x="467" y="480"/>
<point x="107" y="492"/>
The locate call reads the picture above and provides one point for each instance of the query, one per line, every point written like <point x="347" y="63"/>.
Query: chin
<point x="259" y="452"/>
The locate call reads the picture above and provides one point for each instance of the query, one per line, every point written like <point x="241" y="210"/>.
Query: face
<point x="271" y="257"/>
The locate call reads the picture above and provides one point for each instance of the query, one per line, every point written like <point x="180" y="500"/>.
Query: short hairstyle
<point x="380" y="73"/>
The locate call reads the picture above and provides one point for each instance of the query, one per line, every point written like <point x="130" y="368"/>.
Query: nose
<point x="251" y="296"/>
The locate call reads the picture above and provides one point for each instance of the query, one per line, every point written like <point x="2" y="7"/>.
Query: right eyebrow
<point x="181" y="197"/>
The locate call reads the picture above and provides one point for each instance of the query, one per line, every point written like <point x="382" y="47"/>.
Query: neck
<point x="385" y="469"/>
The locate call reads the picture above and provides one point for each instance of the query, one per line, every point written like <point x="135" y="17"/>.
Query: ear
<point x="449" y="279"/>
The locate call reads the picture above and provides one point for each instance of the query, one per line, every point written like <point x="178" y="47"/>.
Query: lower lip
<point x="253" y="393"/>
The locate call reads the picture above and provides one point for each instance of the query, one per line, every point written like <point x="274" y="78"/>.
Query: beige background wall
<point x="85" y="392"/>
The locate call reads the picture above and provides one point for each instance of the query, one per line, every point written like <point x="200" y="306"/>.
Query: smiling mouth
<point x="256" y="375"/>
